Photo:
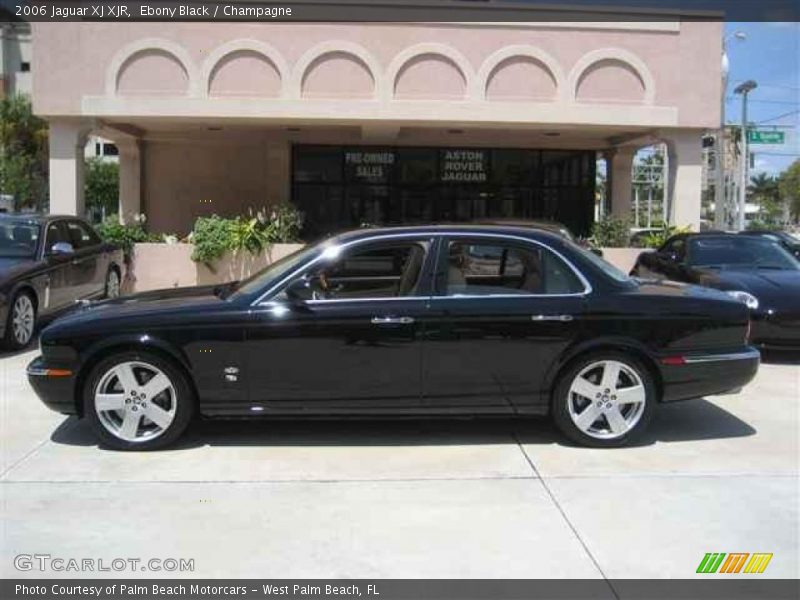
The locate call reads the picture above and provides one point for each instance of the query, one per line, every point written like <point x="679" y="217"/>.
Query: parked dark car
<point x="755" y="269"/>
<point x="46" y="263"/>
<point x="438" y="320"/>
<point x="789" y="242"/>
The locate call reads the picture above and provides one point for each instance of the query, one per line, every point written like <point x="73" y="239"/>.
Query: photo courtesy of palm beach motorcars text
<point x="399" y="300"/>
<point x="194" y="590"/>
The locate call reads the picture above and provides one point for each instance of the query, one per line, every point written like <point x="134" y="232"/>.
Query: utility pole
<point x="744" y="89"/>
<point x="721" y="218"/>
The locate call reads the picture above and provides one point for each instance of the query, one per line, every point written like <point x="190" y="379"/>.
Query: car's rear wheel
<point x="604" y="400"/>
<point x="112" y="284"/>
<point x="138" y="401"/>
<point x="21" y="321"/>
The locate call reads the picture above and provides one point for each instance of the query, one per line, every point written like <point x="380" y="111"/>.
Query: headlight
<point x="750" y="301"/>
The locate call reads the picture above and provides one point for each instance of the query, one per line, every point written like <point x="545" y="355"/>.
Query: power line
<point x="756" y="101"/>
<point x="788" y="114"/>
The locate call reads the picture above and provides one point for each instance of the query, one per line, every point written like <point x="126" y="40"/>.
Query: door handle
<point x="559" y="318"/>
<point x="392" y="320"/>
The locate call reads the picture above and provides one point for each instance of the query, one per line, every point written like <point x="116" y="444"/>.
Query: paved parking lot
<point x="417" y="499"/>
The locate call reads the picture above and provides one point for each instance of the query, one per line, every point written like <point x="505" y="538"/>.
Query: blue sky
<point x="771" y="56"/>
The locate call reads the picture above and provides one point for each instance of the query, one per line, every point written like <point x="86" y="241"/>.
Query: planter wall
<point x="622" y="258"/>
<point x="159" y="266"/>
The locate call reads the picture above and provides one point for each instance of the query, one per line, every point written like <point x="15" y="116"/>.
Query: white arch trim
<point x="177" y="51"/>
<point x="294" y="88"/>
<point x="402" y="58"/>
<point x="525" y="51"/>
<point x="625" y="56"/>
<point x="260" y="48"/>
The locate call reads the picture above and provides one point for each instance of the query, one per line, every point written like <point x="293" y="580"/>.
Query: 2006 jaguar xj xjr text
<point x="439" y="320"/>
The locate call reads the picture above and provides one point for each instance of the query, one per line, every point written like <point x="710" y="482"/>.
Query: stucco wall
<point x="611" y="63"/>
<point x="186" y="180"/>
<point x="162" y="266"/>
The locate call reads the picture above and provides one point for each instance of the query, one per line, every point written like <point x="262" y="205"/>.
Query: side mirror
<point x="62" y="248"/>
<point x="596" y="251"/>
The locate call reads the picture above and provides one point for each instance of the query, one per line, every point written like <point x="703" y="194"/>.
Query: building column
<point x="684" y="178"/>
<point x="67" y="139"/>
<point x="278" y="173"/>
<point x="130" y="179"/>
<point x="621" y="175"/>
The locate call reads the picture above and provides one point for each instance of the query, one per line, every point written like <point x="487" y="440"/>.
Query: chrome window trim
<point x="587" y="287"/>
<point x="746" y="355"/>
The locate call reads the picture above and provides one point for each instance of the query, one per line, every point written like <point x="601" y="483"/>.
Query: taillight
<point x="674" y="361"/>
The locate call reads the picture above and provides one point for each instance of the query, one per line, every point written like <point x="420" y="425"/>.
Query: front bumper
<point x="709" y="374"/>
<point x="53" y="386"/>
<point x="776" y="330"/>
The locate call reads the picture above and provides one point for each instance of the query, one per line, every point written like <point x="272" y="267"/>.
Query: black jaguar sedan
<point x="757" y="270"/>
<point x="47" y="262"/>
<point x="423" y="321"/>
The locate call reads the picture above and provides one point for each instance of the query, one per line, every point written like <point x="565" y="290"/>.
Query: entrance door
<point x="502" y="314"/>
<point x="352" y="342"/>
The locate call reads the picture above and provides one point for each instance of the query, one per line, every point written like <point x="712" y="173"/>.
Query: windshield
<point x="18" y="239"/>
<point x="266" y="278"/>
<point x="740" y="252"/>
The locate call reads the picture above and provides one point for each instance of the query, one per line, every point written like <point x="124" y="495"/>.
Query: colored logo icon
<point x="735" y="562"/>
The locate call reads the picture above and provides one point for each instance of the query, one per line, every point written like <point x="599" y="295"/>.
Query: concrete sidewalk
<point x="490" y="498"/>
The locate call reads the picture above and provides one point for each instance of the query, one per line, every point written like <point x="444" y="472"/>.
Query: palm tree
<point x="763" y="190"/>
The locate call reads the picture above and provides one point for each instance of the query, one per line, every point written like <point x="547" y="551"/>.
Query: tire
<point x="113" y="283"/>
<point x="611" y="422"/>
<point x="21" y="321"/>
<point x="123" y="412"/>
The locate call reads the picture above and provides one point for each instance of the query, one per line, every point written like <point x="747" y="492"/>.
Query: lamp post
<point x="721" y="207"/>
<point x="744" y="89"/>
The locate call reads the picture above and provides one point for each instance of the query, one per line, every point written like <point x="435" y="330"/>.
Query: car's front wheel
<point x="21" y="321"/>
<point x="137" y="401"/>
<point x="604" y="400"/>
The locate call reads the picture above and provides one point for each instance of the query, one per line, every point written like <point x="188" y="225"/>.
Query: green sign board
<point x="754" y="136"/>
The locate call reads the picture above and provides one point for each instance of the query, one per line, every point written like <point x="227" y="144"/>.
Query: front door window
<point x="375" y="272"/>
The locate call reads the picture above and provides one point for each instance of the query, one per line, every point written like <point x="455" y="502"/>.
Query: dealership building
<point x="372" y="123"/>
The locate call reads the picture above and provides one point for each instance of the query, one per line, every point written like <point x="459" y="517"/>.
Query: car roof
<point x="35" y="217"/>
<point x="441" y="229"/>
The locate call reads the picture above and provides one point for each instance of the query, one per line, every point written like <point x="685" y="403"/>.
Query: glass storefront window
<point x="318" y="165"/>
<point x="345" y="187"/>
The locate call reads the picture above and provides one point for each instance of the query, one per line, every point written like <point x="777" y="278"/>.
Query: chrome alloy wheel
<point x="112" y="284"/>
<point x="23" y="319"/>
<point x="606" y="399"/>
<point x="135" y="401"/>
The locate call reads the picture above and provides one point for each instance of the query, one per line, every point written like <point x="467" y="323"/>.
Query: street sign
<point x="755" y="136"/>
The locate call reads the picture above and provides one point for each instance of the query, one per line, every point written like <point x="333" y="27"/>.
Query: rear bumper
<point x="57" y="392"/>
<point x="709" y="374"/>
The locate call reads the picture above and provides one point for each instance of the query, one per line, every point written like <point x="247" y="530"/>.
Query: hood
<point x="148" y="303"/>
<point x="11" y="267"/>
<point x="773" y="287"/>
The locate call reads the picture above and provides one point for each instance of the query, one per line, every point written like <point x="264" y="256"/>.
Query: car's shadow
<point x="681" y="422"/>
<point x="32" y="345"/>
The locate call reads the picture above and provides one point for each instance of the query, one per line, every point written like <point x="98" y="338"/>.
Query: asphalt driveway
<point x="411" y="499"/>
